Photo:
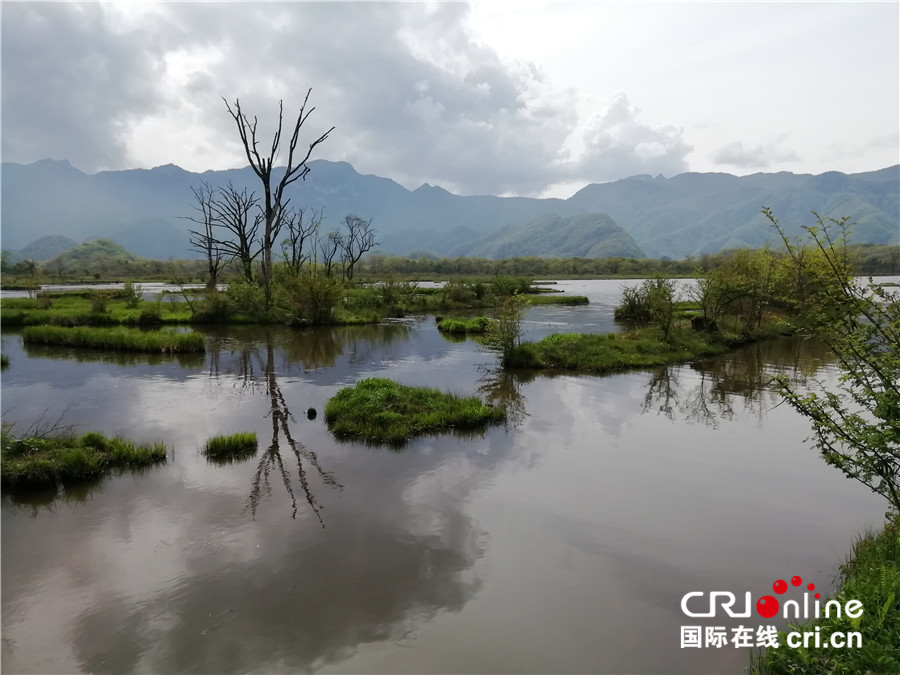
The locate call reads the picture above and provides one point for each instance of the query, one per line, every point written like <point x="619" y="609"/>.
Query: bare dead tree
<point x="359" y="239"/>
<point x="301" y="230"/>
<point x="273" y="191"/>
<point x="203" y="240"/>
<point x="328" y="247"/>
<point x="231" y="210"/>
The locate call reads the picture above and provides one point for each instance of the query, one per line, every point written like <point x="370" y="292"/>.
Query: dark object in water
<point x="310" y="413"/>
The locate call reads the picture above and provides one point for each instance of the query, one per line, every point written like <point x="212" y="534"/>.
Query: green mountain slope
<point x="586" y="235"/>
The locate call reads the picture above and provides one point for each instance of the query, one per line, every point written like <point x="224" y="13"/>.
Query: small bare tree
<point x="328" y="247"/>
<point x="359" y="239"/>
<point x="273" y="190"/>
<point x="203" y="240"/>
<point x="231" y="211"/>
<point x="301" y="230"/>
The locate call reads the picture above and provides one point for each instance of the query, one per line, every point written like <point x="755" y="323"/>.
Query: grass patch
<point x="872" y="576"/>
<point x="611" y="352"/>
<point x="479" y="324"/>
<point x="225" y="449"/>
<point x="41" y="461"/>
<point x="125" y="339"/>
<point x="558" y="300"/>
<point x="378" y="410"/>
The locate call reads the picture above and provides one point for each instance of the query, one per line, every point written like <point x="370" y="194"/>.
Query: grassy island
<point x="378" y="410"/>
<point x="39" y="461"/>
<point x="610" y="352"/>
<point x="225" y="449"/>
<point x="479" y="324"/>
<point x="124" y="339"/>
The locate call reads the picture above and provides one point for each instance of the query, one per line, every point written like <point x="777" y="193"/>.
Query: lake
<point x="562" y="542"/>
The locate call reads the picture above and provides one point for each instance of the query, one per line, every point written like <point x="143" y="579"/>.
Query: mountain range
<point x="144" y="210"/>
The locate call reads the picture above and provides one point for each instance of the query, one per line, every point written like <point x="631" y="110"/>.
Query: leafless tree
<point x="263" y="164"/>
<point x="203" y="240"/>
<point x="302" y="229"/>
<point x="231" y="210"/>
<point x="328" y="247"/>
<point x="359" y="239"/>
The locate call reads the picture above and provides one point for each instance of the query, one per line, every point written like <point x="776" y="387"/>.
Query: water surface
<point x="560" y="543"/>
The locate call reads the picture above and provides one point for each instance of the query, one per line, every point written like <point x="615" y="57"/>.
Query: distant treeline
<point x="870" y="259"/>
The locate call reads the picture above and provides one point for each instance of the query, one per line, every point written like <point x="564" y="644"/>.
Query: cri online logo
<point x="767" y="606"/>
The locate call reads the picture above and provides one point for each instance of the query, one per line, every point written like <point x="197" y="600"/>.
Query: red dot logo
<point x="796" y="581"/>
<point x="779" y="586"/>
<point x="767" y="606"/>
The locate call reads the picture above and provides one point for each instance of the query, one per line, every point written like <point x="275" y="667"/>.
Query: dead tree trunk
<point x="273" y="191"/>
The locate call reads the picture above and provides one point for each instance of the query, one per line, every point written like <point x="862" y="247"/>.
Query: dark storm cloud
<point x="412" y="95"/>
<point x="71" y="85"/>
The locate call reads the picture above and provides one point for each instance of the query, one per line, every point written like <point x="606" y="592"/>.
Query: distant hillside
<point x="92" y="256"/>
<point x="45" y="248"/>
<point x="688" y="214"/>
<point x="587" y="235"/>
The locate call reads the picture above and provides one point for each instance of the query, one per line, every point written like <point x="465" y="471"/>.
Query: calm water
<point x="562" y="543"/>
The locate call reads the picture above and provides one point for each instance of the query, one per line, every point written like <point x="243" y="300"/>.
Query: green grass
<point x="40" y="461"/>
<point x="557" y="300"/>
<point x="125" y="339"/>
<point x="872" y="576"/>
<point x="479" y="324"/>
<point x="76" y="308"/>
<point x="224" y="449"/>
<point x="378" y="410"/>
<point x="611" y="352"/>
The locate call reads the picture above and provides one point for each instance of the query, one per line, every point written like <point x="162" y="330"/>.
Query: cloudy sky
<point x="483" y="98"/>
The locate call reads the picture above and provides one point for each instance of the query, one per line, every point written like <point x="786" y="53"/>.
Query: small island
<point x="379" y="411"/>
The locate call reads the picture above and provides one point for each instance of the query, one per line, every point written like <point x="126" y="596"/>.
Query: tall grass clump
<point x="125" y="339"/>
<point x="40" y="461"/>
<point x="872" y="576"/>
<point x="378" y="410"/>
<point x="223" y="449"/>
<point x="479" y="324"/>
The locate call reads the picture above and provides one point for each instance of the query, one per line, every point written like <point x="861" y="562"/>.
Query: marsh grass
<point x="42" y="461"/>
<point x="233" y="448"/>
<point x="118" y="338"/>
<point x="380" y="411"/>
<point x="479" y="324"/>
<point x="610" y="352"/>
<point x="872" y="576"/>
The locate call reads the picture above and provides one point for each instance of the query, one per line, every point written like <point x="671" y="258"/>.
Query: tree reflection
<point x="708" y="391"/>
<point x="271" y="459"/>
<point x="502" y="387"/>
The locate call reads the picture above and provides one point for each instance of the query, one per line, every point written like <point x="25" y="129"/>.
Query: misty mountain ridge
<point x="144" y="210"/>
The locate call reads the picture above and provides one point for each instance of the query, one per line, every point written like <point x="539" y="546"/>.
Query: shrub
<point x="133" y="294"/>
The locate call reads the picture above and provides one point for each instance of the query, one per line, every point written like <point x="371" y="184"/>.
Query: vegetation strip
<point x="36" y="460"/>
<point x="125" y="339"/>
<point x="479" y="324"/>
<point x="378" y="410"/>
<point x="227" y="448"/>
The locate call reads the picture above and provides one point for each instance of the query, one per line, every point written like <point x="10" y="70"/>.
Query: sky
<point x="531" y="99"/>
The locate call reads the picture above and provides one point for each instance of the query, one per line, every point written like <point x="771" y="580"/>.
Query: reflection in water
<point x="119" y="358"/>
<point x="708" y="391"/>
<point x="49" y="497"/>
<point x="502" y="387"/>
<point x="271" y="458"/>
